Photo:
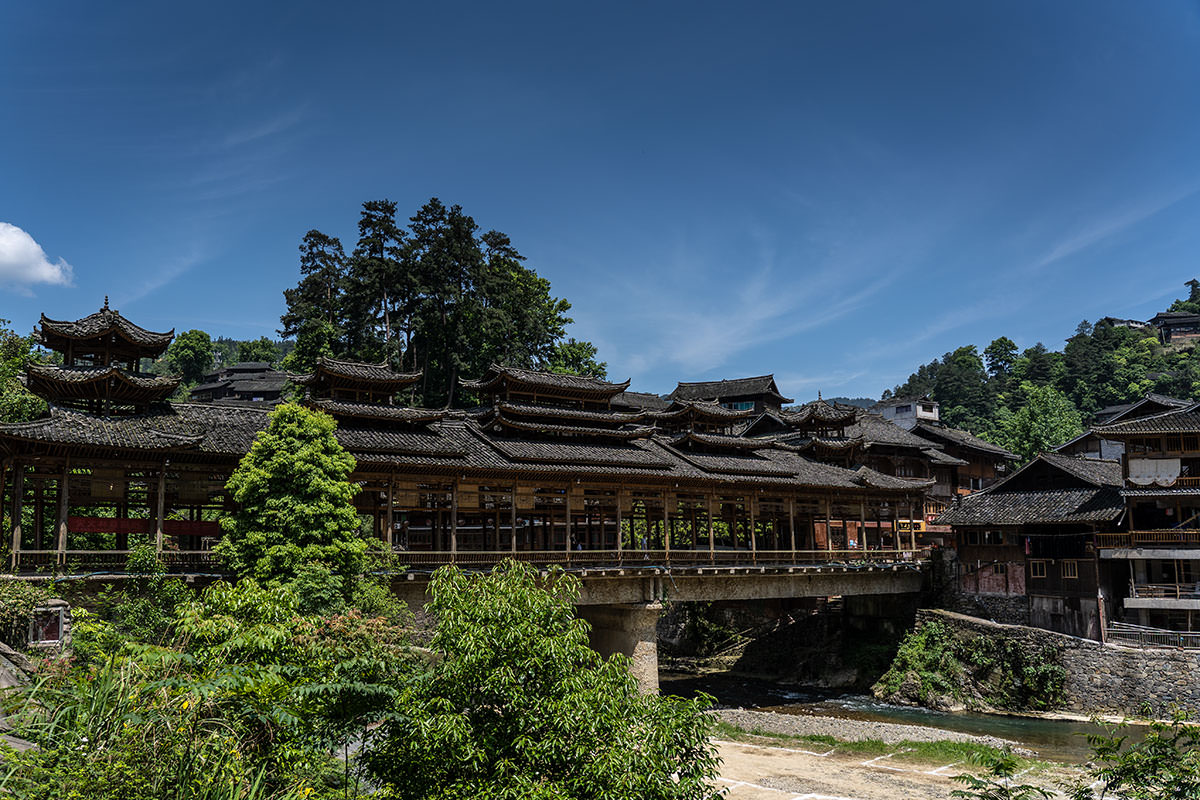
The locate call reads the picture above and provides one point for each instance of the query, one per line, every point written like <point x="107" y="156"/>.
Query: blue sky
<point x="832" y="192"/>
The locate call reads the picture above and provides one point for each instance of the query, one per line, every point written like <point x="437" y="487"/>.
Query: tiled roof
<point x="700" y="409"/>
<point x="1092" y="470"/>
<point x="941" y="434"/>
<point x="639" y="400"/>
<point x="942" y="458"/>
<point x="1035" y="507"/>
<point x="875" y="430"/>
<point x="344" y="408"/>
<point x="719" y="441"/>
<point x="1181" y="420"/>
<point x="104" y="322"/>
<point x="358" y="371"/>
<point x="454" y="444"/>
<point x="551" y="382"/>
<point x="529" y="411"/>
<point x="537" y="427"/>
<point x="736" y="387"/>
<point x="820" y="412"/>
<point x="600" y="454"/>
<point x="78" y="375"/>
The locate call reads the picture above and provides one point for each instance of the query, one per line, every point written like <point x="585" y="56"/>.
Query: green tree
<point x="517" y="705"/>
<point x="962" y="389"/>
<point x="1000" y="356"/>
<point x="191" y="355"/>
<point x="1046" y="419"/>
<point x="260" y="349"/>
<point x="318" y="297"/>
<point x="576" y="358"/>
<point x="17" y="404"/>
<point x="295" y="504"/>
<point x="437" y="296"/>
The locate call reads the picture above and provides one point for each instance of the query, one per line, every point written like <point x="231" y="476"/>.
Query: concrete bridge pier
<point x="630" y="629"/>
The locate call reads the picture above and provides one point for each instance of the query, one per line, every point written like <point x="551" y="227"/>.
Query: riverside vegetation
<point x="301" y="679"/>
<point x="947" y="670"/>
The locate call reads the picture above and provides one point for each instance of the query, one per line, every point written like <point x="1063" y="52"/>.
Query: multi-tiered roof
<point x="101" y="364"/>
<point x="355" y="381"/>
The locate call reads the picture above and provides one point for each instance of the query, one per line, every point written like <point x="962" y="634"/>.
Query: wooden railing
<point x="1143" y="538"/>
<point x="1178" y="591"/>
<point x="79" y="561"/>
<point x="647" y="558"/>
<point x="1138" y="636"/>
<point x="71" y="561"/>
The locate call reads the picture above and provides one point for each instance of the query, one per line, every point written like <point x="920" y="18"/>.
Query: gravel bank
<point x="851" y="730"/>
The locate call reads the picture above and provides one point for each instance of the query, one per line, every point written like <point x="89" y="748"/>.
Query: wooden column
<point x="513" y="526"/>
<point x="160" y="502"/>
<point x="712" y="533"/>
<point x="620" y="505"/>
<point x="912" y="527"/>
<point x="63" y="510"/>
<point x="667" y="524"/>
<point x="18" y="510"/>
<point x="390" y="514"/>
<point x="753" y="539"/>
<point x="862" y="523"/>
<point x="567" y="535"/>
<point x="792" y="524"/>
<point x="453" y="520"/>
<point x="829" y="523"/>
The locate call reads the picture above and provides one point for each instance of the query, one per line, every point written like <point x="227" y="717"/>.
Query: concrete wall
<point x="1102" y="678"/>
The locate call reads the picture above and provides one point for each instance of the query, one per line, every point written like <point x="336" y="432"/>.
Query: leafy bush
<point x="1005" y="673"/>
<point x="18" y="599"/>
<point x="516" y="704"/>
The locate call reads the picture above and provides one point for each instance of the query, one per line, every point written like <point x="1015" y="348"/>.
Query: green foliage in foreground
<point x="1165" y="765"/>
<point x="245" y="696"/>
<point x="997" y="781"/>
<point x="517" y="705"/>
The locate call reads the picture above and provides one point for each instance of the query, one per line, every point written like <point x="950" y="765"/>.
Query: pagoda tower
<point x="101" y="364"/>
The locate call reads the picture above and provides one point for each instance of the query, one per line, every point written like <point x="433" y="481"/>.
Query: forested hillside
<point x="1030" y="400"/>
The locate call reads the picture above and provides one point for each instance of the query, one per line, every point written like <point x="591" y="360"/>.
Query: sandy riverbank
<point x="850" y="730"/>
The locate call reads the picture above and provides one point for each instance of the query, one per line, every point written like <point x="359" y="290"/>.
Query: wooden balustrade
<point x="1150" y="537"/>
<point x="205" y="561"/>
<point x="1178" y="591"/>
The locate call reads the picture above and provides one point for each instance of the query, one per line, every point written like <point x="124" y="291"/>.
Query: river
<point x="1052" y="739"/>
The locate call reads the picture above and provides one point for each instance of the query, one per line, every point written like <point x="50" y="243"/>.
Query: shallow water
<point x="1056" y="740"/>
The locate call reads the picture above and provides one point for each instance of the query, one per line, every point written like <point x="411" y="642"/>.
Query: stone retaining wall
<point x="1102" y="678"/>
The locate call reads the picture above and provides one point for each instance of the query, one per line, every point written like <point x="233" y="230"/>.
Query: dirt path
<point x="775" y="772"/>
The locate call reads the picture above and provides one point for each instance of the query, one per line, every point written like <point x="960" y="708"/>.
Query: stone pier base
<point x="630" y="629"/>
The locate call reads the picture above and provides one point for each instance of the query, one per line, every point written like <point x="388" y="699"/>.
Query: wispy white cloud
<point x="23" y="262"/>
<point x="1105" y="227"/>
<point x="164" y="274"/>
<point x="265" y="128"/>
<point x="799" y="384"/>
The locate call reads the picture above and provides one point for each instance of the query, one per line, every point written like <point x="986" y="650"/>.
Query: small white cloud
<point x="23" y="262"/>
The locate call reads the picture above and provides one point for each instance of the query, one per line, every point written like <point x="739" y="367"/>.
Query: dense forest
<point x="1033" y="399"/>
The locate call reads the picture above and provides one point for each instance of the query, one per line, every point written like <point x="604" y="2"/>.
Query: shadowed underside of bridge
<point x="622" y="605"/>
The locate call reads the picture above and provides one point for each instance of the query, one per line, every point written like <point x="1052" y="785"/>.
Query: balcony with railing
<point x="1164" y="596"/>
<point x="1161" y="538"/>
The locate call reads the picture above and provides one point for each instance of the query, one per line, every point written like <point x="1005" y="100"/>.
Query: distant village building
<point x="1156" y="559"/>
<point x="1026" y="545"/>
<point x="1117" y="322"/>
<point x="1175" y="327"/>
<point x="1089" y="444"/>
<point x="756" y="394"/>
<point x="243" y="382"/>
<point x="907" y="411"/>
